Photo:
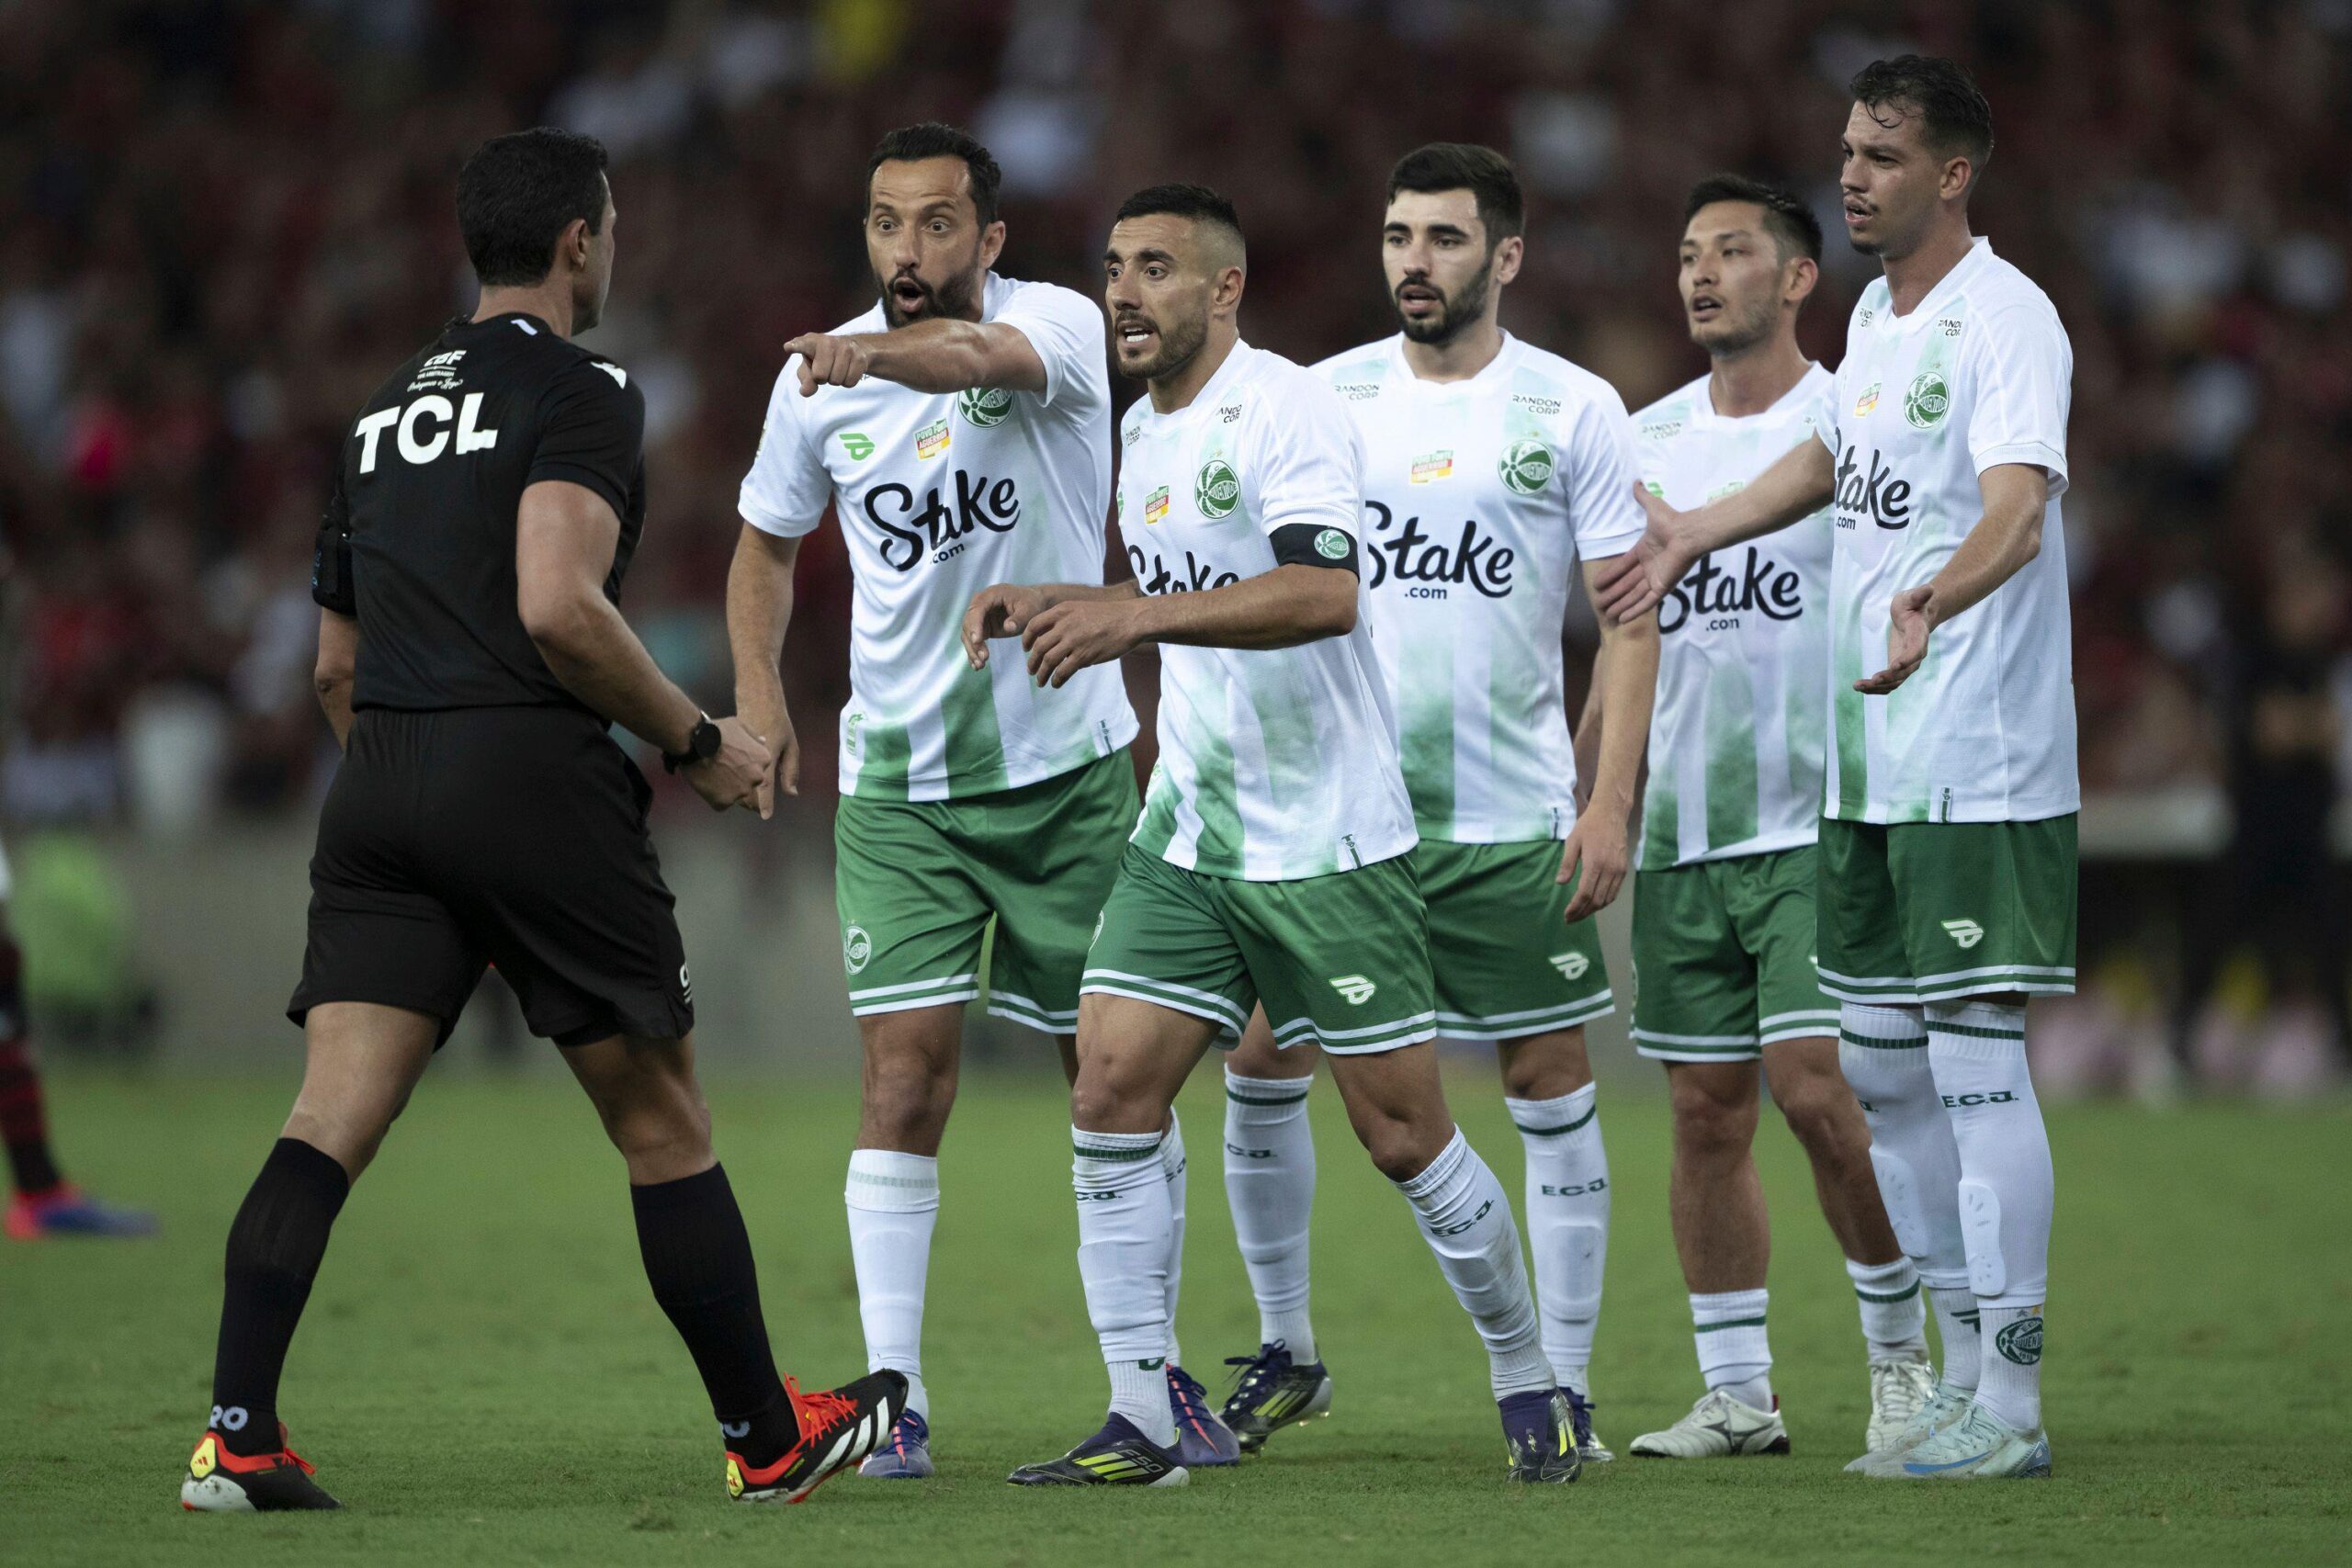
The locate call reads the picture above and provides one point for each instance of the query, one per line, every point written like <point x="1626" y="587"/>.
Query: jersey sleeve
<point x="592" y="432"/>
<point x="330" y="585"/>
<point x="1598" y="473"/>
<point x="787" y="488"/>
<point x="1066" y="328"/>
<point x="1303" y="454"/>
<point x="2022" y="372"/>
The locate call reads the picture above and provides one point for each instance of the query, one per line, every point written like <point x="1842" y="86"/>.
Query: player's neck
<point x="1753" y="379"/>
<point x="1178" y="392"/>
<point x="549" y="301"/>
<point x="1459" y="357"/>
<point x="1909" y="279"/>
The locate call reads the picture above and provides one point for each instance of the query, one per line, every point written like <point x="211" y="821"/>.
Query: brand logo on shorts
<point x="856" y="948"/>
<point x="858" y="445"/>
<point x="1968" y="933"/>
<point x="1354" y="988"/>
<point x="2020" y="1341"/>
<point x="1099" y="914"/>
<point x="1929" y="400"/>
<point x="1571" y="966"/>
<point x="1217" y="489"/>
<point x="986" y="406"/>
<point x="1526" y="465"/>
<point x="1331" y="544"/>
<point x="685" y="985"/>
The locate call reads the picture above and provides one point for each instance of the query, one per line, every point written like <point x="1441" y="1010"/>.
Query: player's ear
<point x="1508" y="255"/>
<point x="991" y="244"/>
<point x="1224" y="294"/>
<point x="1796" y="286"/>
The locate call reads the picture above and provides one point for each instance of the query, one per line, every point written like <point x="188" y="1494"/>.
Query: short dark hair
<point x="1198" y="202"/>
<point x="1794" y="227"/>
<point x="1954" y="116"/>
<point x="1463" y="165"/>
<point x="932" y="139"/>
<point x="518" y="193"/>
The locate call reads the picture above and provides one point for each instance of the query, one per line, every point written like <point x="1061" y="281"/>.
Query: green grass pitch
<point x="484" y="1378"/>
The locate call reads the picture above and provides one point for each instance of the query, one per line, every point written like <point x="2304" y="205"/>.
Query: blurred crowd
<point x="222" y="221"/>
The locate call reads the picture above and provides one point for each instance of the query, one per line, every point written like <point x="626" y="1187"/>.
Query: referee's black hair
<point x="518" y="193"/>
<point x="932" y="139"/>
<point x="1791" y="222"/>
<point x="1198" y="203"/>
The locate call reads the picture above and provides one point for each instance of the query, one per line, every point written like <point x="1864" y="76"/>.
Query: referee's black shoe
<point x="219" y="1481"/>
<point x="839" y="1427"/>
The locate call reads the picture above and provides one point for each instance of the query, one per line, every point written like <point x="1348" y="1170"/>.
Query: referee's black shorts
<point x="513" y="836"/>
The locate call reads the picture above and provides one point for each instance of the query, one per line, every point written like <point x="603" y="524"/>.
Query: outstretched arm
<point x="2009" y="536"/>
<point x="1797" y="486"/>
<point x="937" y="355"/>
<point x="1282" y="608"/>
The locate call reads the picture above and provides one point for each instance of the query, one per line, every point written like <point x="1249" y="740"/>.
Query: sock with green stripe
<point x="1568" y="1223"/>
<point x="1123" y="1234"/>
<point x="1270" y="1185"/>
<point x="1734" y="1355"/>
<point x="1894" y="1318"/>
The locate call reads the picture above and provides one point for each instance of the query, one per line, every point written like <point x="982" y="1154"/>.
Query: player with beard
<point x="1492" y="466"/>
<point x="960" y="432"/>
<point x="1724" y="902"/>
<point x="1947" y="847"/>
<point x="1273" y="857"/>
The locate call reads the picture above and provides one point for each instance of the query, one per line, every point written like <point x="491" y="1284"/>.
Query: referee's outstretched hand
<point x="734" y="776"/>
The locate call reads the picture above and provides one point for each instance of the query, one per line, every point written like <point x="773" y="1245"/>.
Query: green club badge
<point x="2021" y="1342"/>
<point x="1527" y="466"/>
<point x="1217" y="490"/>
<point x="1331" y="544"/>
<point x="986" y="406"/>
<point x="856" y="948"/>
<point x="1928" y="400"/>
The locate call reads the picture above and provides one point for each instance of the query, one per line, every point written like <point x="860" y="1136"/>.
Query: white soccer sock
<point x="1962" y="1340"/>
<point x="1895" y="1320"/>
<point x="1172" y="1165"/>
<point x="1123" y="1223"/>
<point x="1734" y="1355"/>
<point x="1884" y="1054"/>
<point x="1465" y="1217"/>
<point x="2006" y="1192"/>
<point x="1270" y="1185"/>
<point x="893" y="1202"/>
<point x="1568" y="1223"/>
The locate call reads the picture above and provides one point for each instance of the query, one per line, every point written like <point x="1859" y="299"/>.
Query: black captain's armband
<point x="1315" y="544"/>
<point x="331" y="562"/>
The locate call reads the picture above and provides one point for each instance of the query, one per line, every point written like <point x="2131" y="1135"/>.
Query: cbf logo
<point x="1217" y="490"/>
<point x="857" y="949"/>
<point x="1928" y="402"/>
<point x="986" y="406"/>
<point x="1526" y="466"/>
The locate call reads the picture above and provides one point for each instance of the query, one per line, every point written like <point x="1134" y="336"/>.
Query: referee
<point x="471" y="653"/>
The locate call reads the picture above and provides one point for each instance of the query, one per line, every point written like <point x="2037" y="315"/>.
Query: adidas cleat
<point x="1719" y="1427"/>
<point x="68" y="1210"/>
<point x="1901" y="1388"/>
<point x="1203" y="1441"/>
<point x="221" y="1482"/>
<point x="907" y="1456"/>
<point x="1979" y="1447"/>
<point x="1590" y="1447"/>
<point x="1272" y="1390"/>
<point x="1540" y="1429"/>
<point x="838" y="1427"/>
<point x="1118" y="1455"/>
<point x="1944" y="1408"/>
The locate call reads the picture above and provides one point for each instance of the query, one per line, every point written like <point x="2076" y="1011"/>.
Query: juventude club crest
<point x="1526" y="465"/>
<point x="2021" y="1342"/>
<point x="986" y="406"/>
<point x="1928" y="400"/>
<point x="1217" y="490"/>
<point x="1331" y="544"/>
<point x="856" y="948"/>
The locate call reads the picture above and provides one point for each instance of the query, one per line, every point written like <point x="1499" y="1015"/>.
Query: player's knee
<point x="908" y="1096"/>
<point x="1114" y="1096"/>
<point x="1821" y="1111"/>
<point x="1401" y="1146"/>
<point x="1715" y="1113"/>
<point x="1546" y="1067"/>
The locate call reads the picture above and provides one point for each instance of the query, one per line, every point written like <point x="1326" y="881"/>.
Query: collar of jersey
<point x="1702" y="401"/>
<point x="1499" y="366"/>
<point x="1211" y="389"/>
<point x="1980" y="250"/>
<point x="467" y="323"/>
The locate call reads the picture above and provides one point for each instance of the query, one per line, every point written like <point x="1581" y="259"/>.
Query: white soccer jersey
<point x="1274" y="763"/>
<point x="939" y="495"/>
<point x="1977" y="375"/>
<point x="1737" y="731"/>
<point x="1478" y="497"/>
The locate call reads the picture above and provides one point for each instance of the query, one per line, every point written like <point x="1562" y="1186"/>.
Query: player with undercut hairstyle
<point x="1271" y="862"/>
<point x="1947" y="886"/>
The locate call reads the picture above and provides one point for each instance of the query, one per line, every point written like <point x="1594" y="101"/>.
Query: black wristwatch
<point x="702" y="744"/>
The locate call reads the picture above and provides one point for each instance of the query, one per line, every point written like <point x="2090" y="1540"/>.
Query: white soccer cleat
<point x="1944" y="1408"/>
<point x="1981" y="1446"/>
<point x="1901" y="1387"/>
<point x="1718" y="1426"/>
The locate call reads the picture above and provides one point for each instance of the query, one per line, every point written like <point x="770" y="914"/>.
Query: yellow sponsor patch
<point x="1431" y="467"/>
<point x="206" y="1458"/>
<point x="931" y="439"/>
<point x="1867" y="402"/>
<point x="1155" y="506"/>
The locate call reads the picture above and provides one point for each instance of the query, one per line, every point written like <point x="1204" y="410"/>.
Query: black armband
<point x="330" y="571"/>
<point x="1315" y="544"/>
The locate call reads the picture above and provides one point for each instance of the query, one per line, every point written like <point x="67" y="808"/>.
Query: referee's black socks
<point x="274" y="1250"/>
<point x="698" y="1258"/>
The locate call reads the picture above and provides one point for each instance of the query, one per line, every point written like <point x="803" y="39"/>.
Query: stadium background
<point x="222" y="221"/>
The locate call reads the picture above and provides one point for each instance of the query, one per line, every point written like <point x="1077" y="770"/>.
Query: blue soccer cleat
<point x="1590" y="1447"/>
<point x="1203" y="1441"/>
<point x="68" y="1210"/>
<point x="1118" y="1455"/>
<point x="905" y="1455"/>
<point x="1272" y="1390"/>
<point x="1540" y="1431"/>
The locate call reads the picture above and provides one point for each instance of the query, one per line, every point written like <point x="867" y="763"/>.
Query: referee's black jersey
<point x="418" y="538"/>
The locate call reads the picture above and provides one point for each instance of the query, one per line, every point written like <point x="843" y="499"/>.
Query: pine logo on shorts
<point x="1968" y="933"/>
<point x="1929" y="400"/>
<point x="1571" y="966"/>
<point x="2020" y="1341"/>
<point x="1527" y="466"/>
<point x="856" y="948"/>
<point x="1331" y="544"/>
<point x="1217" y="490"/>
<point x="1354" y="988"/>
<point x="986" y="406"/>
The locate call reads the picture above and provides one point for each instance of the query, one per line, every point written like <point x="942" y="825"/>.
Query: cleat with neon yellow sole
<point x="219" y="1481"/>
<point x="1541" y="1433"/>
<point x="1118" y="1455"/>
<point x="1272" y="1390"/>
<point x="1945" y="1407"/>
<point x="1590" y="1447"/>
<point x="1981" y="1446"/>
<point x="839" y="1427"/>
